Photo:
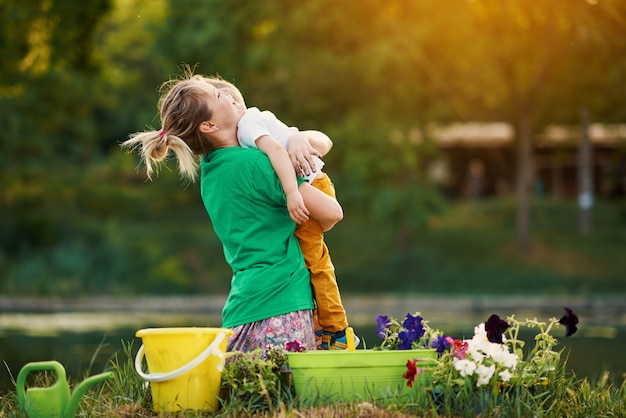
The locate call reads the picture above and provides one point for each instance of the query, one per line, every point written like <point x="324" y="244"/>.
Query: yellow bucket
<point x="185" y="366"/>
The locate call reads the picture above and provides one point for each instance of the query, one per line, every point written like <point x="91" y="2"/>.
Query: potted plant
<point x="324" y="376"/>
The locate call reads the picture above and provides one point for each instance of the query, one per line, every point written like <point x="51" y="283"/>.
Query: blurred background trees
<point x="75" y="80"/>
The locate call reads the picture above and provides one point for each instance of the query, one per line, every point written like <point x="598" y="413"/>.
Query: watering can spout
<point x="54" y="401"/>
<point x="81" y="389"/>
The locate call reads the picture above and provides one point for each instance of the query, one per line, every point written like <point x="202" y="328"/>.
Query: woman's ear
<point x="207" y="127"/>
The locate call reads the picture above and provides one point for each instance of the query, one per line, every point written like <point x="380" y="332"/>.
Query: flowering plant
<point x="414" y="332"/>
<point x="482" y="360"/>
<point x="294" y="347"/>
<point x="247" y="374"/>
<point x="494" y="356"/>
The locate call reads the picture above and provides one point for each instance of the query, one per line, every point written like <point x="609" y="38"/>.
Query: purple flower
<point x="383" y="323"/>
<point x="406" y="339"/>
<point x="414" y="324"/>
<point x="570" y="320"/>
<point x="441" y="343"/>
<point x="495" y="327"/>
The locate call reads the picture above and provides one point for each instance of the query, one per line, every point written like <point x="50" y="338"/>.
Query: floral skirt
<point x="275" y="331"/>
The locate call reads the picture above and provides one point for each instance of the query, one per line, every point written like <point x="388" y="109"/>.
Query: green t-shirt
<point x="248" y="210"/>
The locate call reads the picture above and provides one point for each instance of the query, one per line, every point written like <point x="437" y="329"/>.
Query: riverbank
<point x="361" y="309"/>
<point x="74" y="331"/>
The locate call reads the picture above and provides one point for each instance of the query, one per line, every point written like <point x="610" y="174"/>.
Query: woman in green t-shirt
<point x="270" y="300"/>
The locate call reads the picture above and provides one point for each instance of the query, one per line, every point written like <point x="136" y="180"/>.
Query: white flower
<point x="501" y="355"/>
<point x="505" y="375"/>
<point x="479" y="346"/>
<point x="465" y="367"/>
<point x="484" y="374"/>
<point x="480" y="333"/>
<point x="477" y="356"/>
<point x="510" y="360"/>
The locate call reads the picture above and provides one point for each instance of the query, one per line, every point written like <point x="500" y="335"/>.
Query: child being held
<point x="263" y="130"/>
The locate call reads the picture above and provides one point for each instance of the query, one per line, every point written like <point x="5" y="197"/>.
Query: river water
<point x="85" y="335"/>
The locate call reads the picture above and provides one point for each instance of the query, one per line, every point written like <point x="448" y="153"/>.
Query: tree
<point x="597" y="51"/>
<point x="522" y="56"/>
<point x="46" y="78"/>
<point x="134" y="63"/>
<point x="408" y="64"/>
<point x="341" y="74"/>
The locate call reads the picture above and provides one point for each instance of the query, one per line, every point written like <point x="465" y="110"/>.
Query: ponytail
<point x="182" y="109"/>
<point x="154" y="147"/>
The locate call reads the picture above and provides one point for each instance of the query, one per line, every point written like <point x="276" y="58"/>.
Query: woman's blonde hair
<point x="183" y="106"/>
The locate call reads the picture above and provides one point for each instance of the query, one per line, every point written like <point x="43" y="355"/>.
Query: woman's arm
<point x="322" y="207"/>
<point x="319" y="140"/>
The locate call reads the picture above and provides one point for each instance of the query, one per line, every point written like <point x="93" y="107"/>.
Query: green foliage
<point x="563" y="396"/>
<point x="261" y="393"/>
<point x="46" y="84"/>
<point x="469" y="250"/>
<point x="107" y="230"/>
<point x="127" y="387"/>
<point x="75" y="81"/>
<point x="256" y="380"/>
<point x="133" y="65"/>
<point x="382" y="176"/>
<point x="71" y="237"/>
<point x="9" y="404"/>
<point x="588" y="397"/>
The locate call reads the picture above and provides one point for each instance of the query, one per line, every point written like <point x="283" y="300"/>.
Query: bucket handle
<point x="162" y="377"/>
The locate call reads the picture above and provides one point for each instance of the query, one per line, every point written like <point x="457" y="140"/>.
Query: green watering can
<point x="55" y="400"/>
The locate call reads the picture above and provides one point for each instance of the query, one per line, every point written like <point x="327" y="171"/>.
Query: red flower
<point x="459" y="348"/>
<point x="294" y="347"/>
<point x="411" y="372"/>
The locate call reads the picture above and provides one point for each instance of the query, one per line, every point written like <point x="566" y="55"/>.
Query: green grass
<point x="126" y="395"/>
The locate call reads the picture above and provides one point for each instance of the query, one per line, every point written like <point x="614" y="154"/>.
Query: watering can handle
<point x="162" y="377"/>
<point x="62" y="390"/>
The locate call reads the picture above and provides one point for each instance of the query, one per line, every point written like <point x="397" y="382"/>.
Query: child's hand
<point x="301" y="154"/>
<point x="297" y="210"/>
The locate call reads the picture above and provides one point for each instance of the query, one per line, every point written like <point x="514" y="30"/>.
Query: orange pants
<point x="330" y="315"/>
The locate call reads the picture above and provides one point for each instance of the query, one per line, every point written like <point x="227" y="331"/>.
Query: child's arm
<point x="305" y="145"/>
<point x="284" y="170"/>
